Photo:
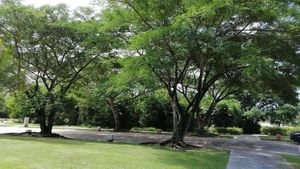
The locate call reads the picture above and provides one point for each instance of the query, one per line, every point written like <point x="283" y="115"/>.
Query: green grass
<point x="151" y="130"/>
<point x="49" y="153"/>
<point x="273" y="138"/>
<point x="293" y="160"/>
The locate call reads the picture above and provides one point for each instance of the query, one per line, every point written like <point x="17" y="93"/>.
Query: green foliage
<point x="91" y="116"/>
<point x="226" y="130"/>
<point x="3" y="111"/>
<point x="93" y="69"/>
<point x="6" y="66"/>
<point x="227" y="114"/>
<point x="144" y="129"/>
<point x="155" y="111"/>
<point x="255" y="114"/>
<point x="69" y="112"/>
<point x="92" y="109"/>
<point x="285" y="114"/>
<point x="275" y="130"/>
<point x="18" y="106"/>
<point x="51" y="50"/>
<point x="251" y="119"/>
<point x="192" y="45"/>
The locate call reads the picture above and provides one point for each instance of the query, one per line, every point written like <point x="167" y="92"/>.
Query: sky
<point x="71" y="3"/>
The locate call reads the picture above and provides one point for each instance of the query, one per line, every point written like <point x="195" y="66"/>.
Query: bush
<point x="155" y="112"/>
<point x="250" y="126"/>
<point x="227" y="114"/>
<point x="18" y="106"/>
<point x="227" y="130"/>
<point x="251" y="119"/>
<point x="93" y="116"/>
<point x="141" y="129"/>
<point x="293" y="129"/>
<point x="273" y="130"/>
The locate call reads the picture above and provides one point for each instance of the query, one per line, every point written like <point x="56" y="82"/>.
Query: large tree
<point x="192" y="44"/>
<point x="51" y="52"/>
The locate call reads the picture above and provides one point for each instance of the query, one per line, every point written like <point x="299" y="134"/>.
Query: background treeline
<point x="153" y="110"/>
<point x="177" y="66"/>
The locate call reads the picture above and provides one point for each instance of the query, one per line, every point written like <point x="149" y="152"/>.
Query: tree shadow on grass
<point x="48" y="140"/>
<point x="67" y="141"/>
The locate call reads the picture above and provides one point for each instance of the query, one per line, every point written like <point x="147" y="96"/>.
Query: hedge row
<point x="227" y="130"/>
<point x="273" y="130"/>
<point x="144" y="129"/>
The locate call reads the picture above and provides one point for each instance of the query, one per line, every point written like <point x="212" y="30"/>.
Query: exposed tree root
<point x="150" y="143"/>
<point x="48" y="135"/>
<point x="170" y="143"/>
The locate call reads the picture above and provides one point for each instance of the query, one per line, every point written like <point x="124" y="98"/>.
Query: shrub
<point x="227" y="114"/>
<point x="273" y="130"/>
<point x="227" y="130"/>
<point x="250" y="122"/>
<point x="155" y="112"/>
<point x="141" y="129"/>
<point x="18" y="106"/>
<point x="293" y="129"/>
<point x="250" y="126"/>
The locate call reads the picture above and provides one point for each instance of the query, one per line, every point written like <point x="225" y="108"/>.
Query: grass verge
<point x="48" y="153"/>
<point x="293" y="160"/>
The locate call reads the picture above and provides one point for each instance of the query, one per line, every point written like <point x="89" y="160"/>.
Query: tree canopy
<point x="197" y="59"/>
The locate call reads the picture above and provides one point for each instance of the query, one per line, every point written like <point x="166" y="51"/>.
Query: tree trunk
<point x="179" y="121"/>
<point x="46" y="124"/>
<point x="205" y="120"/>
<point x="50" y="121"/>
<point x="182" y="118"/>
<point x="42" y="120"/>
<point x="46" y="121"/>
<point x="200" y="124"/>
<point x="112" y="107"/>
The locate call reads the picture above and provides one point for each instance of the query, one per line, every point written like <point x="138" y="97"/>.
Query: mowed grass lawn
<point x="49" y="153"/>
<point x="293" y="160"/>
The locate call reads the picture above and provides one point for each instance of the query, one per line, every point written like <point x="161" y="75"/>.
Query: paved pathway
<point x="247" y="152"/>
<point x="257" y="158"/>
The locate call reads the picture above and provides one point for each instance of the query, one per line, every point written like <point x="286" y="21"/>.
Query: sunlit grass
<point x="49" y="153"/>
